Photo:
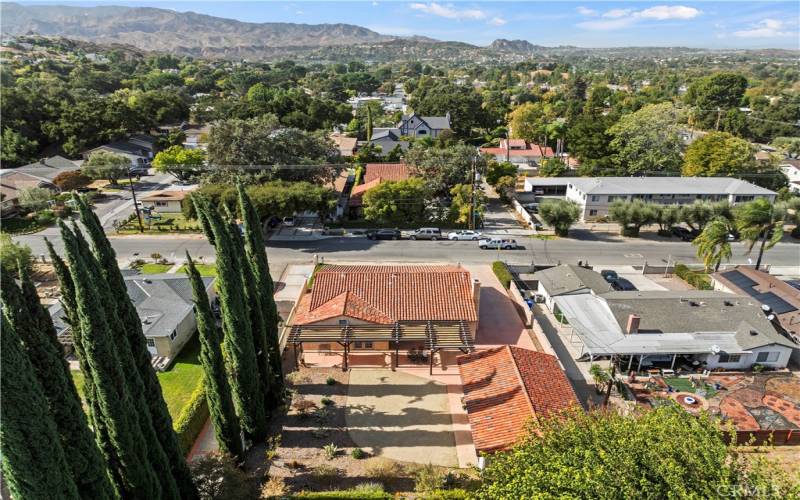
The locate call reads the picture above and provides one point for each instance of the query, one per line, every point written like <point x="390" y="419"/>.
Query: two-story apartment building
<point x="596" y="194"/>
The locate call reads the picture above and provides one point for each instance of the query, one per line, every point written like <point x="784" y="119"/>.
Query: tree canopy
<point x="647" y="141"/>
<point x="718" y="154"/>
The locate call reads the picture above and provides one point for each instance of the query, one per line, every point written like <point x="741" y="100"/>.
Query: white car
<point x="497" y="243"/>
<point x="464" y="235"/>
<point x="288" y="221"/>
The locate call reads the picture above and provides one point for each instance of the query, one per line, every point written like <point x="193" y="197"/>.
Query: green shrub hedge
<point x="192" y="419"/>
<point x="502" y="273"/>
<point x="697" y="279"/>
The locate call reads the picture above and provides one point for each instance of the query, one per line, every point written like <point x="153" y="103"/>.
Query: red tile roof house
<point x="374" y="174"/>
<point x="376" y="313"/>
<point x="519" y="152"/>
<point x="505" y="388"/>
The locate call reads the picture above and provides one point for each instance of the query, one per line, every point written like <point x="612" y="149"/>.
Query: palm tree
<point x="760" y="221"/>
<point x="712" y="244"/>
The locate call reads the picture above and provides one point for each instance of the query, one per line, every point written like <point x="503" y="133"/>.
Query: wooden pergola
<point x="435" y="336"/>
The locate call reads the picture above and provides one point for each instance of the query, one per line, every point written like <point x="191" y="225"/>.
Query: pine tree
<point x="218" y="391"/>
<point x="238" y="345"/>
<point x="34" y="326"/>
<point x="258" y="325"/>
<point x="114" y="403"/>
<point x="68" y="302"/>
<point x="257" y="259"/>
<point x="140" y="356"/>
<point x="33" y="462"/>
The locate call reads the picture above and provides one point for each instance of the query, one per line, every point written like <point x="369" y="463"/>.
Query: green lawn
<point x="154" y="268"/>
<point x="681" y="384"/>
<point x="204" y="269"/>
<point x="178" y="383"/>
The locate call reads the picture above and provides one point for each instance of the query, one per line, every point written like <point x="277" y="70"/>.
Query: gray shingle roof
<point x="570" y="278"/>
<point x="162" y="300"/>
<point x="437" y="122"/>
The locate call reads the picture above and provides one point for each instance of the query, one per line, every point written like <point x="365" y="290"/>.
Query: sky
<point x="716" y="24"/>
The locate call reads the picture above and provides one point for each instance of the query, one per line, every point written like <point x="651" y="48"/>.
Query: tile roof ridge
<point x="521" y="381"/>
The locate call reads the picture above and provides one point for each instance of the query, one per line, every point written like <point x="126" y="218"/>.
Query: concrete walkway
<point x="400" y="416"/>
<point x="499" y="322"/>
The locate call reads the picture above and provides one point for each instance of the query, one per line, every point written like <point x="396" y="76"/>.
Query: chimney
<point x="633" y="324"/>
<point x="476" y="294"/>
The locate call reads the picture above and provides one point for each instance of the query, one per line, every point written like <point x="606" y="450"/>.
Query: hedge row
<point x="697" y="279"/>
<point x="502" y="273"/>
<point x="193" y="417"/>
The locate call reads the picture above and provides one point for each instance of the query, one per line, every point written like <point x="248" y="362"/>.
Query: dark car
<point x="609" y="275"/>
<point x="683" y="233"/>
<point x="623" y="285"/>
<point x="383" y="234"/>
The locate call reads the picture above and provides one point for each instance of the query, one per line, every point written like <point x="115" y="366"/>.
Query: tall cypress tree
<point x="114" y="403"/>
<point x="140" y="356"/>
<point x="68" y="302"/>
<point x="259" y="264"/>
<point x="218" y="391"/>
<point x="155" y="453"/>
<point x="34" y="326"/>
<point x="33" y="462"/>
<point x="238" y="346"/>
<point x="258" y="325"/>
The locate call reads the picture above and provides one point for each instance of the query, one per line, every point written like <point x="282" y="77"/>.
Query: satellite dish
<point x="715" y="349"/>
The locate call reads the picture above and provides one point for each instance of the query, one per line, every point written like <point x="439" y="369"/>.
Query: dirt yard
<point x="316" y="418"/>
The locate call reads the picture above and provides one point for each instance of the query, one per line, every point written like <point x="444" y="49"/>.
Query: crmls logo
<point x="745" y="491"/>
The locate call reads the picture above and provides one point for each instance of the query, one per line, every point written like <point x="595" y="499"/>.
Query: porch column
<point x="296" y="362"/>
<point x="430" y="364"/>
<point x="641" y="357"/>
<point x="344" y="365"/>
<point x="630" y="362"/>
<point x="674" y="357"/>
<point x="396" y="355"/>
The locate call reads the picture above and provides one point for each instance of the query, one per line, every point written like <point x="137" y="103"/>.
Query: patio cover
<point x="595" y="324"/>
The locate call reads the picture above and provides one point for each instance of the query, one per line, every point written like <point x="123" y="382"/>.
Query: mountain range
<point x="200" y="35"/>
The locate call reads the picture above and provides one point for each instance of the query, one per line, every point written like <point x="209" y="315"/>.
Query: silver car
<point x="426" y="233"/>
<point x="464" y="235"/>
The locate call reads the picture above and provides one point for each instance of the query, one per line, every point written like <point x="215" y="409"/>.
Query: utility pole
<point x="472" y="196"/>
<point x="135" y="204"/>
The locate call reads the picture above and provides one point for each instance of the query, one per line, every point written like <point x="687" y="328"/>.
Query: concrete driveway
<point x="400" y="416"/>
<point x="499" y="323"/>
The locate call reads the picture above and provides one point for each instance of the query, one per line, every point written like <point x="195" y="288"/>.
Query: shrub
<point x="559" y="214"/>
<point x="795" y="232"/>
<point x="192" y="418"/>
<point x="274" y="487"/>
<point x="295" y="464"/>
<point x="325" y="474"/>
<point x="45" y="217"/>
<point x="370" y="487"/>
<point x="358" y="453"/>
<point x="697" y="279"/>
<point x="331" y="450"/>
<point x="427" y="478"/>
<point x="502" y="273"/>
<point x="327" y="402"/>
<point x="304" y="406"/>
<point x="273" y="443"/>
<point x="383" y="469"/>
<point x="343" y="495"/>
<point x="330" y="381"/>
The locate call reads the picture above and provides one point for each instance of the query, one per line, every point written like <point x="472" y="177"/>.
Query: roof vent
<point x="765" y="308"/>
<point x="148" y="281"/>
<point x="729" y="303"/>
<point x="694" y="304"/>
<point x="753" y="333"/>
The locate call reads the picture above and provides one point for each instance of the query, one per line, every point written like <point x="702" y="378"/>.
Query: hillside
<point x="181" y="32"/>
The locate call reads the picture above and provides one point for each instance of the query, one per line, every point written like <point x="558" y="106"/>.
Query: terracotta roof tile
<point x="507" y="386"/>
<point x="357" y="193"/>
<point x="384" y="294"/>
<point x="386" y="172"/>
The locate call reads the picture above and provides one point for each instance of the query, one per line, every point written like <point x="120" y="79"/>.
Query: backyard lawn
<point x="681" y="384"/>
<point x="178" y="383"/>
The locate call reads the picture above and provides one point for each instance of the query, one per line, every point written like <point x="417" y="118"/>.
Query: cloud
<point x="497" y="21"/>
<point x="665" y="12"/>
<point x="616" y="13"/>
<point x="585" y="11"/>
<point x="448" y="11"/>
<point x="766" y="28"/>
<point x="620" y="18"/>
